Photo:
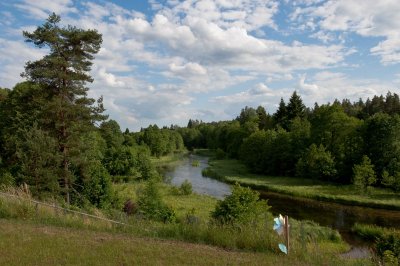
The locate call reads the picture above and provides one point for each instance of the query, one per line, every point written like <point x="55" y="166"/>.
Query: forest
<point x="343" y="142"/>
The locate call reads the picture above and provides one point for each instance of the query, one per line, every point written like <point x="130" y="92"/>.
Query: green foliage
<point x="67" y="112"/>
<point x="98" y="189"/>
<point x="392" y="182"/>
<point x="6" y="179"/>
<point x="186" y="188"/>
<point x="387" y="241"/>
<point x="364" y="174"/>
<point x="219" y="154"/>
<point x="242" y="206"/>
<point x="39" y="161"/>
<point x="316" y="163"/>
<point x="152" y="206"/>
<point x="295" y="107"/>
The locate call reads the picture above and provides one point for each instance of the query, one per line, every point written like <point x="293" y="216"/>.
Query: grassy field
<point x="233" y="171"/>
<point x="40" y="236"/>
<point x="182" y="204"/>
<point x="22" y="243"/>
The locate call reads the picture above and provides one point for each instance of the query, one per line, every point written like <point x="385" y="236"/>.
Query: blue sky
<point x="165" y="61"/>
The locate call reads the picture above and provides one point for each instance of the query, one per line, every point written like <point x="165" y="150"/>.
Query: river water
<point x="337" y="216"/>
<point x="200" y="184"/>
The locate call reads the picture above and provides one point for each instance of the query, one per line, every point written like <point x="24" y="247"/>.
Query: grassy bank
<point x="170" y="159"/>
<point x="232" y="171"/>
<point x="26" y="231"/>
<point x="386" y="242"/>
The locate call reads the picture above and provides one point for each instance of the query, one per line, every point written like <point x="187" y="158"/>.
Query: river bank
<point x="232" y="171"/>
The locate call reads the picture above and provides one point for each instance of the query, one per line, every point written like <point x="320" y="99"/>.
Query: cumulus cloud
<point x="367" y="18"/>
<point x="247" y="14"/>
<point x="13" y="56"/>
<point x="259" y="94"/>
<point x="325" y="86"/>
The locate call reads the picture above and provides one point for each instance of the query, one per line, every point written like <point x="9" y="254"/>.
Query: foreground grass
<point x="31" y="235"/>
<point x="232" y="171"/>
<point x="22" y="243"/>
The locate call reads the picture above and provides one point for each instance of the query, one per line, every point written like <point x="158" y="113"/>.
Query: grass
<point x="374" y="232"/>
<point x="169" y="159"/>
<point x="182" y="204"/>
<point x="232" y="171"/>
<point x="31" y="235"/>
<point x="30" y="244"/>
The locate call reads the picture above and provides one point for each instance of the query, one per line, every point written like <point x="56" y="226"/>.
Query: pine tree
<point x="295" y="107"/>
<point x="280" y="116"/>
<point x="62" y="74"/>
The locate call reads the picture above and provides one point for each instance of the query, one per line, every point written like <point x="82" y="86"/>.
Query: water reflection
<point x="337" y="216"/>
<point x="200" y="184"/>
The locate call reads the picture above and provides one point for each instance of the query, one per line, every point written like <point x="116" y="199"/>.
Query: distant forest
<point x="342" y="142"/>
<point x="59" y="142"/>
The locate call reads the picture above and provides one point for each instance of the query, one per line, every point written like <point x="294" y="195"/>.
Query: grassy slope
<point x="233" y="171"/>
<point x="47" y="237"/>
<point x="23" y="243"/>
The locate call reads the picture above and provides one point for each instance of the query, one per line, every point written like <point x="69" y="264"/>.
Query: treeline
<point x="342" y="142"/>
<point x="57" y="140"/>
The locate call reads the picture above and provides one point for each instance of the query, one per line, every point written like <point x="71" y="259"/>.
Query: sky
<point x="166" y="61"/>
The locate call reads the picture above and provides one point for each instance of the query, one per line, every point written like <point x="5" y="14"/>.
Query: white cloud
<point x="367" y="18"/>
<point x="40" y="9"/>
<point x="247" y="14"/>
<point x="13" y="56"/>
<point x="327" y="86"/>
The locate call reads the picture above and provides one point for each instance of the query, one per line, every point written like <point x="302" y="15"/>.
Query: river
<point x="337" y="216"/>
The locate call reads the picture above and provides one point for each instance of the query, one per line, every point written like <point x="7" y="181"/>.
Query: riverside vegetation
<point x="59" y="146"/>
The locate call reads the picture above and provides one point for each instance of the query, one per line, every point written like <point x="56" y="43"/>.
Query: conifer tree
<point x="63" y="74"/>
<point x="295" y="107"/>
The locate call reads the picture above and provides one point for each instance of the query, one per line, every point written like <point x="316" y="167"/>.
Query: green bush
<point x="186" y="188"/>
<point x="242" y="206"/>
<point x="152" y="206"/>
<point x="98" y="189"/>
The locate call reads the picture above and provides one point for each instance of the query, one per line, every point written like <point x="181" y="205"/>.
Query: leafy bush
<point x="98" y="189"/>
<point x="364" y="174"/>
<point x="152" y="206"/>
<point x="242" y="206"/>
<point x="316" y="163"/>
<point x="186" y="188"/>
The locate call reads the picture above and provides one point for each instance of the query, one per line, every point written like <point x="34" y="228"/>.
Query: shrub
<point x="152" y="206"/>
<point x="364" y="174"/>
<point x="186" y="188"/>
<point x="98" y="189"/>
<point x="316" y="163"/>
<point x="242" y="206"/>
